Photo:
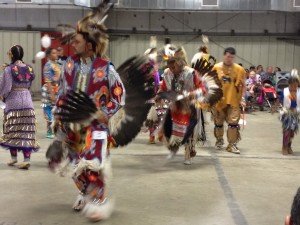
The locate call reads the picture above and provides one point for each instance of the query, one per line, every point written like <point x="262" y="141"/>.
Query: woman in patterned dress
<point x="19" y="117"/>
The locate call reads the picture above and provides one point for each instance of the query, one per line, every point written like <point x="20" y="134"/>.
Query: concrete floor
<point x="256" y="187"/>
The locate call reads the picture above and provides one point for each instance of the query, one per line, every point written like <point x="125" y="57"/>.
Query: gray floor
<point x="256" y="187"/>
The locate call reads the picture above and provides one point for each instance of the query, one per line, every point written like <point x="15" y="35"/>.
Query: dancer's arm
<point x="117" y="93"/>
<point x="6" y="82"/>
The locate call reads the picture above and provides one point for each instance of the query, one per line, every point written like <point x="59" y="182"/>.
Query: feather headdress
<point x="294" y="77"/>
<point x="92" y="25"/>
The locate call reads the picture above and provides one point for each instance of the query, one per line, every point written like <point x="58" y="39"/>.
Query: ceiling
<point x="174" y="5"/>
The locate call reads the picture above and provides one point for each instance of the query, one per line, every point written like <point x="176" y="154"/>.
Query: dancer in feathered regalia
<point x="200" y="129"/>
<point x="91" y="112"/>
<point x="183" y="87"/>
<point x="159" y="106"/>
<point x="289" y="115"/>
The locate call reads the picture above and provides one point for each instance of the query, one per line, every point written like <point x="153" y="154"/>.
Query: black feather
<point x="210" y="77"/>
<point x="191" y="126"/>
<point x="169" y="95"/>
<point x="167" y="125"/>
<point x="76" y="107"/>
<point x="203" y="66"/>
<point x="81" y="100"/>
<point x="55" y="152"/>
<point x="137" y="76"/>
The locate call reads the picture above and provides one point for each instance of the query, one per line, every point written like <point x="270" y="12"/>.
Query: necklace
<point x="83" y="73"/>
<point x="177" y="84"/>
<point x="226" y="70"/>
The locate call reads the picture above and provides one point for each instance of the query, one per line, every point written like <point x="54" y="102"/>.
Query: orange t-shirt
<point x="233" y="80"/>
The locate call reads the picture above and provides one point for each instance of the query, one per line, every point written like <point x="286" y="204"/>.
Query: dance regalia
<point x="92" y="116"/>
<point x="19" y="125"/>
<point x="227" y="109"/>
<point x="51" y="76"/>
<point x="155" y="119"/>
<point x="200" y="130"/>
<point x="289" y="117"/>
<point x="86" y="90"/>
<point x="182" y="117"/>
<point x="89" y="141"/>
<point x="156" y="113"/>
<point x="182" y="114"/>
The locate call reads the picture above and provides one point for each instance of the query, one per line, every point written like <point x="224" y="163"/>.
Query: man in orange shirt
<point x="232" y="78"/>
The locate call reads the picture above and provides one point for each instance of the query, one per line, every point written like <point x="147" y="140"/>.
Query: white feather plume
<point x="205" y="39"/>
<point x="40" y="55"/>
<point x="46" y="41"/>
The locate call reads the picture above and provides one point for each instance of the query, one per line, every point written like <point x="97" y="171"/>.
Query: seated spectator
<point x="252" y="68"/>
<point x="251" y="82"/>
<point x="247" y="74"/>
<point x="268" y="75"/>
<point x="294" y="218"/>
<point x="259" y="69"/>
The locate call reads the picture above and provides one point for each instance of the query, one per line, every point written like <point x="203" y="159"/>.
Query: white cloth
<point x="287" y="100"/>
<point x="2" y="105"/>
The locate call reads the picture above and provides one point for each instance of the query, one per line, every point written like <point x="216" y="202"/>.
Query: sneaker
<point x="171" y="155"/>
<point x="219" y="144"/>
<point x="12" y="162"/>
<point x="233" y="149"/>
<point x="80" y="203"/>
<point x="50" y="135"/>
<point x="187" y="162"/>
<point x="98" y="211"/>
<point x="24" y="165"/>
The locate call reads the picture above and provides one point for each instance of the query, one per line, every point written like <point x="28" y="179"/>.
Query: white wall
<point x="250" y="50"/>
<point x="30" y="41"/>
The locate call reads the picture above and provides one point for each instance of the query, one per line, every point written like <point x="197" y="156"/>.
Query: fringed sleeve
<point x="6" y="82"/>
<point x="117" y="92"/>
